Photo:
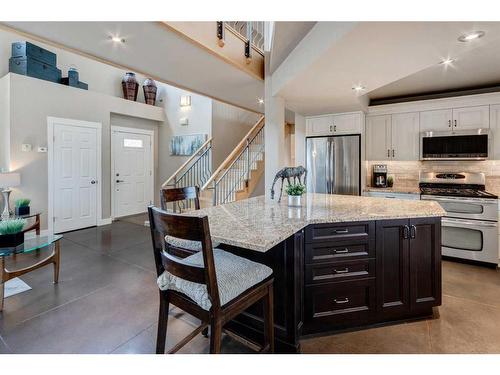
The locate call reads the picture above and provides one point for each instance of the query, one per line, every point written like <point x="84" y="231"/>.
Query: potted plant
<point x="11" y="232"/>
<point x="295" y="192"/>
<point x="390" y="181"/>
<point x="23" y="206"/>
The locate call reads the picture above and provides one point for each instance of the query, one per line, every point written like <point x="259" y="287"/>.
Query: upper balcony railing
<point x="250" y="31"/>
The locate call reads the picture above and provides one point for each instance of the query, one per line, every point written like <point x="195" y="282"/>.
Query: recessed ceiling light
<point x="471" y="36"/>
<point x="447" y="61"/>
<point x="260" y="100"/>
<point x="117" y="39"/>
<point x="359" y="88"/>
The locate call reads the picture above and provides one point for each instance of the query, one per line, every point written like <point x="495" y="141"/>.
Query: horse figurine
<point x="288" y="173"/>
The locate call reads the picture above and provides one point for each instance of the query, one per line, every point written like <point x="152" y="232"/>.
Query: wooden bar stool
<point x="178" y="195"/>
<point x="213" y="285"/>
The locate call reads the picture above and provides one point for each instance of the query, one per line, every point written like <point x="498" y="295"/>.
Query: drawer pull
<point x="341" y="231"/>
<point x="341" y="301"/>
<point x="341" y="251"/>
<point x="345" y="270"/>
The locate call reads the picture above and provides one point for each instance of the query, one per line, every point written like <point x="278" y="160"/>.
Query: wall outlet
<point x="184" y="121"/>
<point x="42" y="149"/>
<point x="26" y="147"/>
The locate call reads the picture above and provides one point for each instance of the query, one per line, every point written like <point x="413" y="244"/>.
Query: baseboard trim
<point x="106" y="221"/>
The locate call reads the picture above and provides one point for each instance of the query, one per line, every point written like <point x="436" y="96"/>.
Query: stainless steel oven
<point x="470" y="239"/>
<point x="467" y="208"/>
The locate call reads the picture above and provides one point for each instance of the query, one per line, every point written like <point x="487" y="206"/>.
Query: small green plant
<point x="12" y="226"/>
<point x="23" y="202"/>
<point x="295" y="189"/>
<point x="390" y="181"/>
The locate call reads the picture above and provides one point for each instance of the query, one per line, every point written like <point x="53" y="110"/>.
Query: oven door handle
<point x="493" y="202"/>
<point x="476" y="223"/>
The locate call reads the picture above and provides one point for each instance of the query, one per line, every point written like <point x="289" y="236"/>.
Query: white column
<point x="300" y="140"/>
<point x="274" y="139"/>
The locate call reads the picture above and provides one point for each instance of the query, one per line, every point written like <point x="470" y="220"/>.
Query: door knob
<point x="118" y="181"/>
<point x="93" y="182"/>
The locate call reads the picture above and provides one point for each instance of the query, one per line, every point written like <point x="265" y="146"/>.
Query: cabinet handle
<point x="334" y="128"/>
<point x="406" y="232"/>
<point x="449" y="123"/>
<point x="392" y="152"/>
<point x="345" y="270"/>
<point x="341" y="231"/>
<point x="455" y="123"/>
<point x="413" y="231"/>
<point x="343" y="251"/>
<point x="331" y="128"/>
<point x="340" y="301"/>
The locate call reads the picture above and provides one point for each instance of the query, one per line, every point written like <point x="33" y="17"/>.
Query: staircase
<point x="236" y="178"/>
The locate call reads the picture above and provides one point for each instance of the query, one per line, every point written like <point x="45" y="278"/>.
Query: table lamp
<point x="8" y="180"/>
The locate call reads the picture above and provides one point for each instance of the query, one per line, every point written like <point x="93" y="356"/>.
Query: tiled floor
<point x="107" y="300"/>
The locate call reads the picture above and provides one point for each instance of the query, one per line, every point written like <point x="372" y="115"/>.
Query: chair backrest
<point x="190" y="228"/>
<point x="178" y="195"/>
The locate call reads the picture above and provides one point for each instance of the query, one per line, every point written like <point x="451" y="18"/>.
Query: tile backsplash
<point x="405" y="173"/>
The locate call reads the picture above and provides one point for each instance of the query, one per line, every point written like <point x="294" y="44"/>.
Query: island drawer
<point x="340" y="271"/>
<point x="340" y="231"/>
<point x="328" y="306"/>
<point x="321" y="252"/>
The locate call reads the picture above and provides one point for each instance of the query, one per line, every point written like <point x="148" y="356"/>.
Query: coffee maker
<point x="380" y="175"/>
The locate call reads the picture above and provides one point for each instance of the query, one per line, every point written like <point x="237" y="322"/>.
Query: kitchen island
<point x="339" y="262"/>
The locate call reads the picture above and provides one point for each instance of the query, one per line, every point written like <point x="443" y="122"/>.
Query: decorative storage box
<point x="27" y="49"/>
<point x="34" y="68"/>
<point x="72" y="83"/>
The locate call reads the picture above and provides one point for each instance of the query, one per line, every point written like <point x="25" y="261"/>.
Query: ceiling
<point x="153" y="49"/>
<point x="390" y="58"/>
<point x="286" y="36"/>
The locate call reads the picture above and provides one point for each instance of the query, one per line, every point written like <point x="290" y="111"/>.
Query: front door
<point x="132" y="172"/>
<point x="75" y="176"/>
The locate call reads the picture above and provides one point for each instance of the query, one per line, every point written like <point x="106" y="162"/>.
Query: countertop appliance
<point x="379" y="176"/>
<point x="456" y="145"/>
<point x="470" y="227"/>
<point x="334" y="164"/>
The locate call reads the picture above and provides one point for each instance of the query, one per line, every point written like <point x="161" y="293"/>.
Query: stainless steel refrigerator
<point x="333" y="164"/>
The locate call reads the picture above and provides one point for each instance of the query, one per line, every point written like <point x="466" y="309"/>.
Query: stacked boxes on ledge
<point x="30" y="60"/>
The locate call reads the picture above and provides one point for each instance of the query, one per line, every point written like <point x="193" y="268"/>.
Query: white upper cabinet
<point x="347" y="123"/>
<point x="405" y="136"/>
<point x="439" y="120"/>
<point x="455" y="119"/>
<point x="471" y="118"/>
<point x="494" y="151"/>
<point x="378" y="137"/>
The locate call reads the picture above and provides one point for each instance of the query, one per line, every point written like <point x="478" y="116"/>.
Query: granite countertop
<point x="395" y="189"/>
<point x="260" y="223"/>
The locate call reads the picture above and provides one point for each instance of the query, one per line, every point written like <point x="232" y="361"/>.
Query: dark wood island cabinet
<point x="335" y="276"/>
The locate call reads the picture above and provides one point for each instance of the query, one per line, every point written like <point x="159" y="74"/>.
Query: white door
<point x="439" y="120"/>
<point x="471" y="118"/>
<point x="378" y="137"/>
<point x="75" y="177"/>
<point x="349" y="123"/>
<point x="132" y="172"/>
<point x="405" y="136"/>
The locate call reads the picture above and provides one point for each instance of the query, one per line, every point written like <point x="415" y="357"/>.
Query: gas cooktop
<point x="457" y="192"/>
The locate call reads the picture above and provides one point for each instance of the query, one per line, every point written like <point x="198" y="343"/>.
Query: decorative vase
<point x="25" y="210"/>
<point x="149" y="87"/>
<point x="130" y="86"/>
<point x="11" y="240"/>
<point x="294" y="200"/>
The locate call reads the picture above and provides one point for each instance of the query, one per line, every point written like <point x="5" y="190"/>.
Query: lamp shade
<point x="10" y="179"/>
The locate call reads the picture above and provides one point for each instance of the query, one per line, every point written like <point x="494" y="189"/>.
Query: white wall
<point x="300" y="140"/>
<point x="229" y="125"/>
<point x="4" y="124"/>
